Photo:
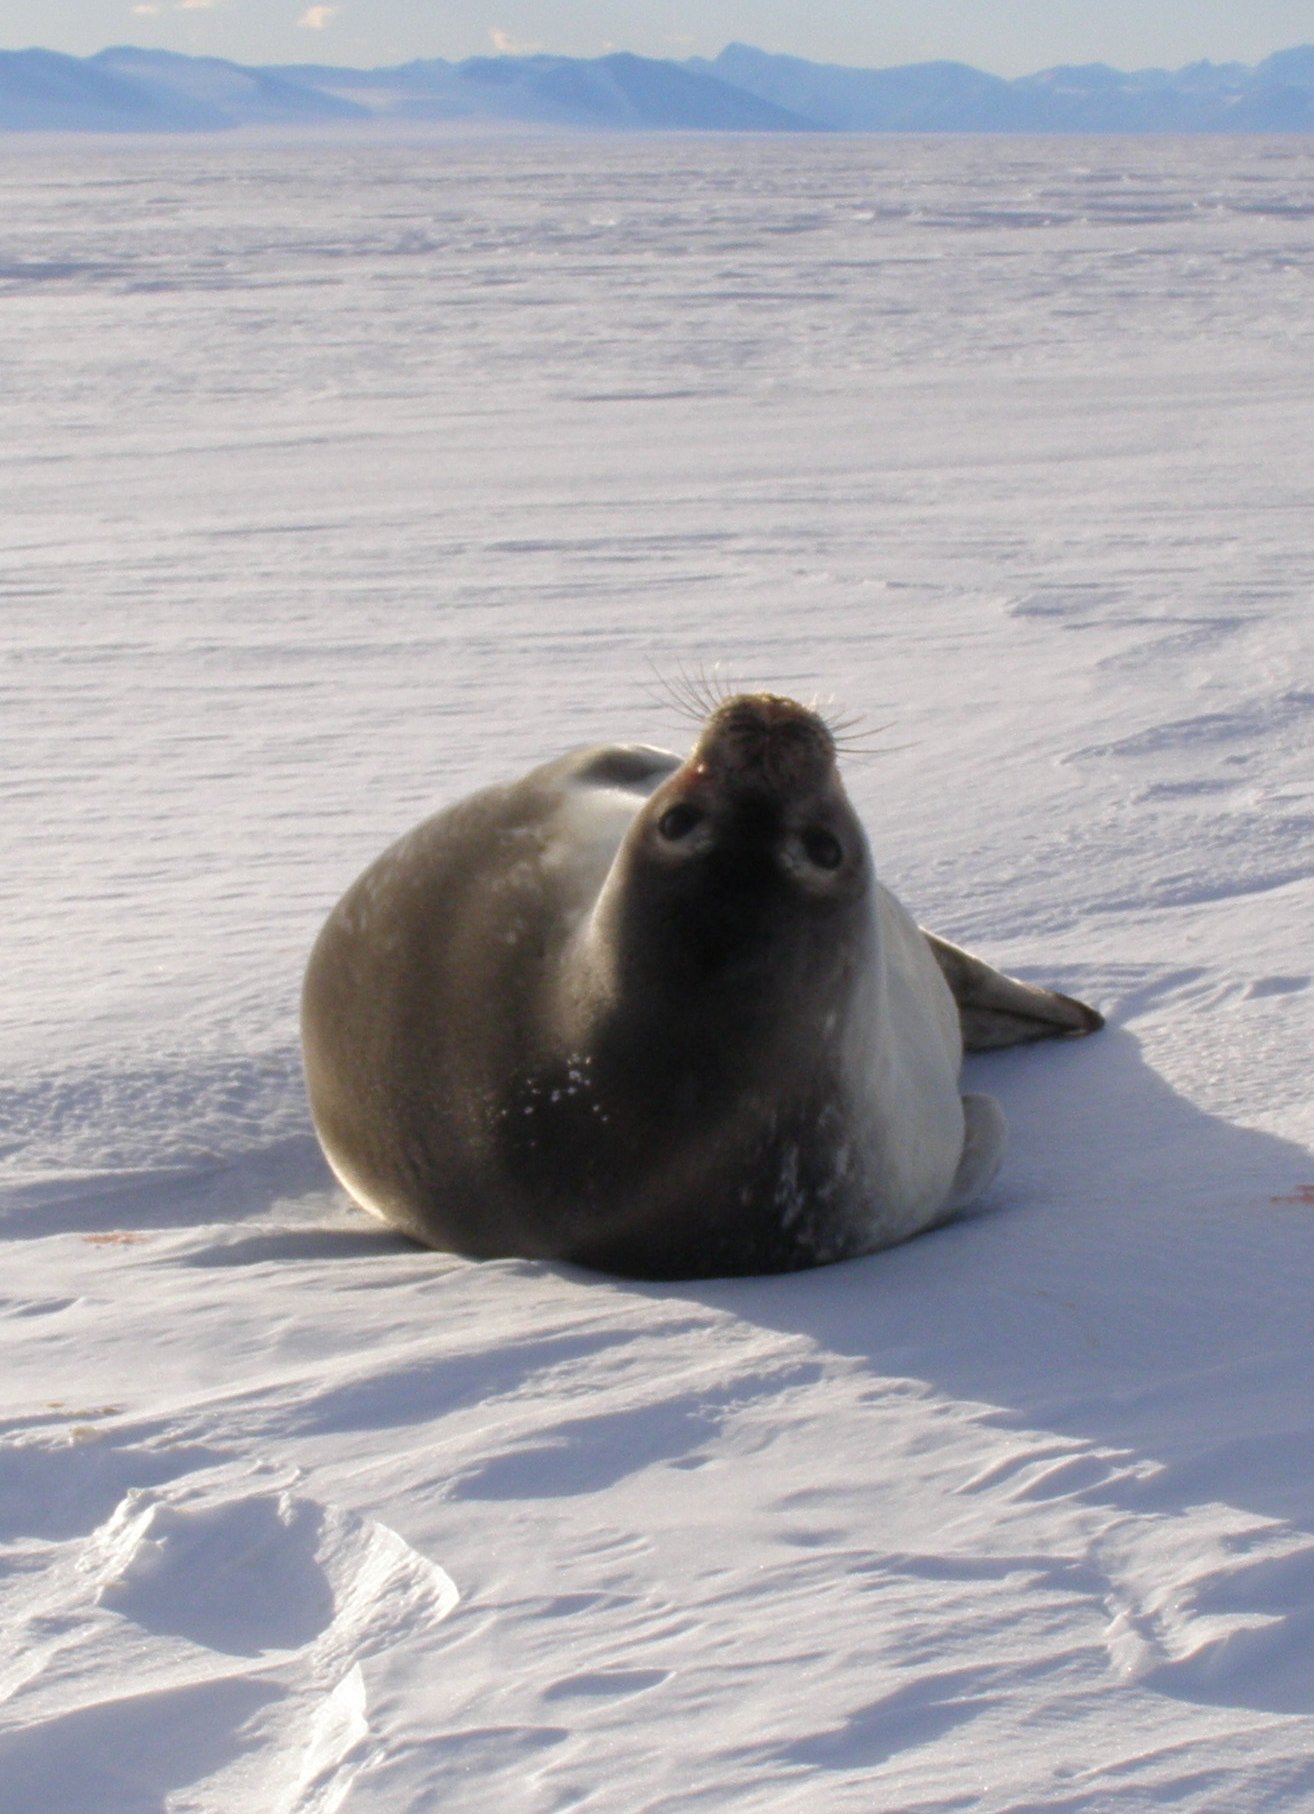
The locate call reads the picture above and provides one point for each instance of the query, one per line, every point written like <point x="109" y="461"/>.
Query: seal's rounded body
<point x="650" y="1016"/>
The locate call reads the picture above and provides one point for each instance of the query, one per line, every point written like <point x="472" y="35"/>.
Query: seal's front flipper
<point x="998" y="1010"/>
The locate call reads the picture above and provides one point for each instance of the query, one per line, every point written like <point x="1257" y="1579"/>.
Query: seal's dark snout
<point x="766" y="742"/>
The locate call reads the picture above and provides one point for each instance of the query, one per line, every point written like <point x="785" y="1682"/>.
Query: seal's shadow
<point x="1137" y="1261"/>
<point x="1134" y="1292"/>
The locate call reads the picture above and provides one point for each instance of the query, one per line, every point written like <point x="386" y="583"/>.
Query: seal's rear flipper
<point x="998" y="1010"/>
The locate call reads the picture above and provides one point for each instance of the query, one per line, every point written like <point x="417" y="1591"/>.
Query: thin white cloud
<point x="315" y="18"/>
<point x="148" y="10"/>
<point x="194" y="6"/>
<point x="508" y="46"/>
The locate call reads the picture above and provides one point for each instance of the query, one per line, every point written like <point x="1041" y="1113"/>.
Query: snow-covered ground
<point x="341" y="478"/>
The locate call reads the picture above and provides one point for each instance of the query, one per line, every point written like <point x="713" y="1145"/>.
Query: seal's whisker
<point x="857" y="732"/>
<point x="691" y="697"/>
<point x="866" y="752"/>
<point x="714" y="688"/>
<point x="701" y="692"/>
<point x="657" y="688"/>
<point x="839" y="720"/>
<point x="677" y="692"/>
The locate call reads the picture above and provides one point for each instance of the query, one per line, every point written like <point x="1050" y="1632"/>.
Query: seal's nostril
<point x="678" y="821"/>
<point x="823" y="849"/>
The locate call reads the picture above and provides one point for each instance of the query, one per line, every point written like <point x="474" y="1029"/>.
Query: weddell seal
<point x="657" y="1017"/>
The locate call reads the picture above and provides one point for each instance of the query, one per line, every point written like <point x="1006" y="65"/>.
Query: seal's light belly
<point x="904" y="1044"/>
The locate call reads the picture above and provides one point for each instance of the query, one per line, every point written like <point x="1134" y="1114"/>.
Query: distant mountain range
<point x="742" y="90"/>
<point x="1276" y="95"/>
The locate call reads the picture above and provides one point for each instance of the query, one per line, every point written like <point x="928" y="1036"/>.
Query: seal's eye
<point x="678" y="821"/>
<point x="823" y="849"/>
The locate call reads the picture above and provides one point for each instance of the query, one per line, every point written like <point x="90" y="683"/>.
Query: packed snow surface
<point x="341" y="480"/>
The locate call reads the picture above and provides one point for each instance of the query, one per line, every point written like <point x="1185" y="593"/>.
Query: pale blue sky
<point x="1009" y="37"/>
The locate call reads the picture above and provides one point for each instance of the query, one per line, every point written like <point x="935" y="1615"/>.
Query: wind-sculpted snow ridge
<point x="338" y="487"/>
<point x="229" y="1629"/>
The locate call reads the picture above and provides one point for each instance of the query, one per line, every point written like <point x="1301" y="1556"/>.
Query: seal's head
<point x="747" y="865"/>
